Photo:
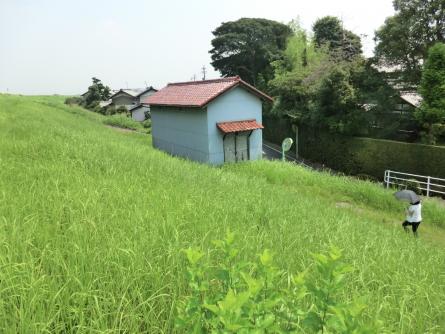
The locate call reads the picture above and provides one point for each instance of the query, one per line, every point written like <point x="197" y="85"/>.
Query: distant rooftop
<point x="134" y="92"/>
<point x="413" y="98"/>
<point x="130" y="91"/>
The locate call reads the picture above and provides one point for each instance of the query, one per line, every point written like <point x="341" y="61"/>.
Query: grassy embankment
<point x="92" y="222"/>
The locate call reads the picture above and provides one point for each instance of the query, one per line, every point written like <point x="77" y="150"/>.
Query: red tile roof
<point x="198" y="93"/>
<point x="238" y="126"/>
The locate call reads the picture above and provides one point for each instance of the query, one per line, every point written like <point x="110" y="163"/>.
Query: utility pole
<point x="193" y="78"/>
<point x="203" y="69"/>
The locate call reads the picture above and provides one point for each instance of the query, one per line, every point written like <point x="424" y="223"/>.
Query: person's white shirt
<point x="414" y="213"/>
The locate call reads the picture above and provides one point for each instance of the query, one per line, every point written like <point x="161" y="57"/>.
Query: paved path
<point x="273" y="152"/>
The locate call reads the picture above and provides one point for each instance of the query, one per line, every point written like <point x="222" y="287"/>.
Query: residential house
<point x="131" y="99"/>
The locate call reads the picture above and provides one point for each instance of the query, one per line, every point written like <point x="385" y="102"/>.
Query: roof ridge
<point x="199" y="82"/>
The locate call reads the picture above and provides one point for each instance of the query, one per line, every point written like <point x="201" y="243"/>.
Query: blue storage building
<point x="211" y="121"/>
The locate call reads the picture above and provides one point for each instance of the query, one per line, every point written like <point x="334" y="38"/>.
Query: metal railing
<point x="428" y="184"/>
<point x="288" y="157"/>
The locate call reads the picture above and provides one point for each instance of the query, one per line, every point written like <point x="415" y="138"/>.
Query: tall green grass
<point x="124" y="122"/>
<point x="92" y="222"/>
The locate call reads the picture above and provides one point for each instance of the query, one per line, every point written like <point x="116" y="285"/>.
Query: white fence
<point x="428" y="184"/>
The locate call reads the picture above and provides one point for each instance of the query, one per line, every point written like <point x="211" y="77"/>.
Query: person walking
<point x="413" y="217"/>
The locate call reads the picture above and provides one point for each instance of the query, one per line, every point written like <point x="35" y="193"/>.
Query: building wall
<point x="145" y="95"/>
<point x="139" y="114"/>
<point x="235" y="105"/>
<point x="181" y="132"/>
<point x="124" y="100"/>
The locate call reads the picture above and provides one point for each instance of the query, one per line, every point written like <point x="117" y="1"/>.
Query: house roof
<point x="412" y="98"/>
<point x="112" y="92"/>
<point x="238" y="126"/>
<point x="140" y="105"/>
<point x="199" y="93"/>
<point x="103" y="104"/>
<point x="133" y="92"/>
<point x="146" y="90"/>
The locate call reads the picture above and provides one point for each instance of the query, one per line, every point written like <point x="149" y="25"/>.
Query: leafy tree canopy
<point x="405" y="38"/>
<point x="298" y="73"/>
<point x="322" y="91"/>
<point x="96" y="92"/>
<point x="341" y="43"/>
<point x="431" y="114"/>
<point x="247" y="47"/>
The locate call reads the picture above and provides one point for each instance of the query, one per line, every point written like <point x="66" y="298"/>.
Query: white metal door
<point x="229" y="148"/>
<point x="242" y="149"/>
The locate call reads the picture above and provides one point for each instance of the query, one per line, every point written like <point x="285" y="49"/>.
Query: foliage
<point x="320" y="89"/>
<point x="351" y="98"/>
<point x="109" y="110"/>
<point x="371" y="156"/>
<point x="125" y="122"/>
<point x="337" y="100"/>
<point x="341" y="43"/>
<point x="301" y="53"/>
<point x="147" y="123"/>
<point x="431" y="114"/>
<point x="97" y="92"/>
<point x="405" y="38"/>
<point x="123" y="110"/>
<point x="74" y="100"/>
<point x="372" y="88"/>
<point x="93" y="220"/>
<point x="298" y="74"/>
<point x="247" y="47"/>
<point x="230" y="295"/>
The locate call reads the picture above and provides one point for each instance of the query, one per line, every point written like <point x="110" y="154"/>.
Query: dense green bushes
<point x="227" y="294"/>
<point x="355" y="156"/>
<point x="122" y="121"/>
<point x="371" y="156"/>
<point x="276" y="129"/>
<point x="72" y="100"/>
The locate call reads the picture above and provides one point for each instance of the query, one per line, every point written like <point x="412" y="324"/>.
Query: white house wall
<point x="124" y="100"/>
<point x="234" y="105"/>
<point x="181" y="132"/>
<point x="139" y="114"/>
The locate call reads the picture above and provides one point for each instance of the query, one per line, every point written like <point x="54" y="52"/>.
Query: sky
<point x="57" y="46"/>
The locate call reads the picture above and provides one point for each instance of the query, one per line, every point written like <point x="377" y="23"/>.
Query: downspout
<point x="248" y="145"/>
<point x="236" y="152"/>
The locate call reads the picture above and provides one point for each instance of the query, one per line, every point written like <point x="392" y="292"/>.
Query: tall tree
<point x="405" y="38"/>
<point x="431" y="113"/>
<point x="341" y="43"/>
<point x="96" y="92"/>
<point x="247" y="47"/>
<point x="298" y="73"/>
<point x="323" y="91"/>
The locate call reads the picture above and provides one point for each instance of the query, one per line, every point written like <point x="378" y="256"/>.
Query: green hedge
<point x="359" y="156"/>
